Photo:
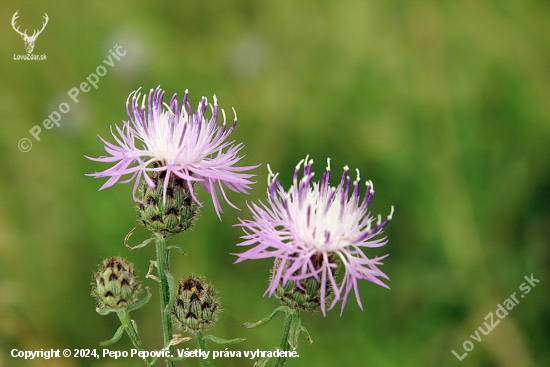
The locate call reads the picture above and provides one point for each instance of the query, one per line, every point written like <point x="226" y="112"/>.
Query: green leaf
<point x="178" y="249"/>
<point x="262" y="361"/>
<point x="250" y="325"/>
<point x="171" y="291"/>
<point x="141" y="245"/>
<point x="115" y="337"/>
<point x="141" y="302"/>
<point x="103" y="311"/>
<point x="217" y="340"/>
<point x="304" y="331"/>
<point x="294" y="331"/>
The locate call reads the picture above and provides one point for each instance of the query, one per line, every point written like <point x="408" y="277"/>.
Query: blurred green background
<point x="443" y="105"/>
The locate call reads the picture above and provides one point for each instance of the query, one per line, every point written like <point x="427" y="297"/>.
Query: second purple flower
<point x="311" y="231"/>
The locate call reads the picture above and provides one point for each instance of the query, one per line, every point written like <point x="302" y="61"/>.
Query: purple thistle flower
<point x="182" y="143"/>
<point x="310" y="227"/>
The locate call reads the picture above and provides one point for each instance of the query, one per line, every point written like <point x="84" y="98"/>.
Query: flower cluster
<point x="177" y="141"/>
<point x="312" y="230"/>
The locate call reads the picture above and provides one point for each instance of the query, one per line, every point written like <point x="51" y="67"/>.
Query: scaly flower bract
<point x="163" y="137"/>
<point x="311" y="228"/>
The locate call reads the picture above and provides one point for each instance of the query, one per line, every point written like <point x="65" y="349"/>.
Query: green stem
<point x="163" y="263"/>
<point x="285" y="346"/>
<point x="201" y="344"/>
<point x="128" y="325"/>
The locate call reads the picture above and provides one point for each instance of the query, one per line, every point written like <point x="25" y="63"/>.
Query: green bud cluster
<point x="196" y="307"/>
<point x="304" y="295"/>
<point x="168" y="215"/>
<point x="115" y="286"/>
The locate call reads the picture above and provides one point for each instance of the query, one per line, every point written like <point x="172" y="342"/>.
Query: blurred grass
<point x="444" y="105"/>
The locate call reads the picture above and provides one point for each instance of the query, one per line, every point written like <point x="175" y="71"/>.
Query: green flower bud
<point x="196" y="307"/>
<point x="115" y="286"/>
<point x="304" y="295"/>
<point x="168" y="215"/>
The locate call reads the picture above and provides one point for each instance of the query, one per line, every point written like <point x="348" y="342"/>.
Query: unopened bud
<point x="115" y="286"/>
<point x="196" y="307"/>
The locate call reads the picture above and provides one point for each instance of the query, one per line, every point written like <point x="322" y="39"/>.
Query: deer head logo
<point x="29" y="40"/>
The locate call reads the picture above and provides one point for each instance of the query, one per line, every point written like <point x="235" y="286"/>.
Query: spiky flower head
<point x="197" y="306"/>
<point x="314" y="228"/>
<point x="180" y="142"/>
<point x="168" y="215"/>
<point x="302" y="295"/>
<point x="115" y="286"/>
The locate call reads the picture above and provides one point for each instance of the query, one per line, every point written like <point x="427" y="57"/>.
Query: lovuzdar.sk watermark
<point x="501" y="312"/>
<point x="29" y="40"/>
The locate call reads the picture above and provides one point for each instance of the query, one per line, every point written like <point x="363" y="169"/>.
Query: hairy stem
<point x="285" y="345"/>
<point x="163" y="263"/>
<point x="201" y="344"/>
<point x="128" y="325"/>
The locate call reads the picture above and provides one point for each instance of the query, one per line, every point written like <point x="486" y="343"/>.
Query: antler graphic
<point x="29" y="40"/>
<point x="15" y="16"/>
<point x="36" y="32"/>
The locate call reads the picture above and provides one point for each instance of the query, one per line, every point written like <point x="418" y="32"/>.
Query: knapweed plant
<point x="315" y="233"/>
<point x="166" y="150"/>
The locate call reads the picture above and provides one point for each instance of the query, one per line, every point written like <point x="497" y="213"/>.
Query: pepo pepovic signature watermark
<point x="115" y="53"/>
<point x="501" y="312"/>
<point x="135" y="353"/>
<point x="29" y="40"/>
